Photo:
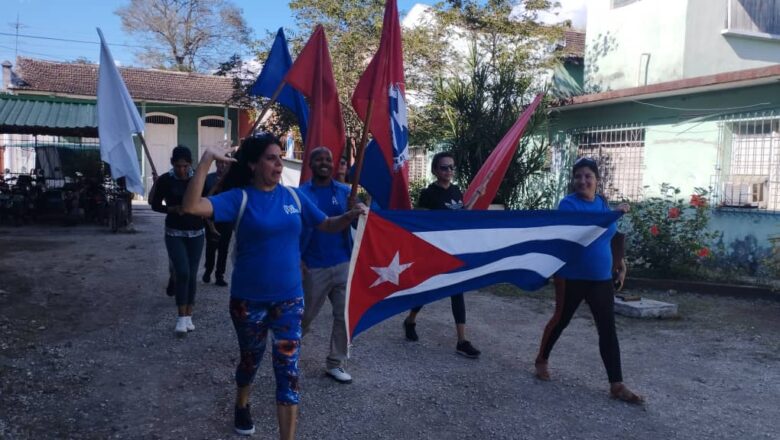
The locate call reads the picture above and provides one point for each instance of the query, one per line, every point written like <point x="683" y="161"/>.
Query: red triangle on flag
<point x="391" y="259"/>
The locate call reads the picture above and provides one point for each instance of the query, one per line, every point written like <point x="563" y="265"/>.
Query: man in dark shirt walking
<point x="217" y="234"/>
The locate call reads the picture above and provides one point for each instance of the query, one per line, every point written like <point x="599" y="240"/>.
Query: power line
<point x="41" y="37"/>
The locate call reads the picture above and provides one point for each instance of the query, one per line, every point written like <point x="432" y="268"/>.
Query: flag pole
<point x="148" y="156"/>
<point x="267" y="106"/>
<point x="361" y="152"/>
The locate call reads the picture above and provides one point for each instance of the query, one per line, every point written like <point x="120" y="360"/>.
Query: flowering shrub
<point x="668" y="234"/>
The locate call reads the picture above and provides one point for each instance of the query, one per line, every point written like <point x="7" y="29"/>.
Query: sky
<point x="77" y="20"/>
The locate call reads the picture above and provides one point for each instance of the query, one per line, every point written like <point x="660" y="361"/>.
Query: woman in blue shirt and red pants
<point x="266" y="292"/>
<point x="590" y="279"/>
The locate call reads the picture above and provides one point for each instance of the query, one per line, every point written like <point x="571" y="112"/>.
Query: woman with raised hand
<point x="590" y="279"/>
<point x="183" y="235"/>
<point x="266" y="289"/>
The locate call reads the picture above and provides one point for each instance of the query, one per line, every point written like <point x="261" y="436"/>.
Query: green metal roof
<point x="31" y="116"/>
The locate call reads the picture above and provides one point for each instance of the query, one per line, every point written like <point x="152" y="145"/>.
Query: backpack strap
<point x="240" y="210"/>
<point x="235" y="226"/>
<point x="295" y="197"/>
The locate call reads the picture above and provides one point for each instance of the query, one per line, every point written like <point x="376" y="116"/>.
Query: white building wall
<point x="637" y="44"/>
<point x="708" y="50"/>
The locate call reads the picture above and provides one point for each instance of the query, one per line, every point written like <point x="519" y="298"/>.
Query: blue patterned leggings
<point x="252" y="320"/>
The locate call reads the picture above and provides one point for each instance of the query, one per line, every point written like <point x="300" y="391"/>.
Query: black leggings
<point x="458" y="308"/>
<point x="599" y="296"/>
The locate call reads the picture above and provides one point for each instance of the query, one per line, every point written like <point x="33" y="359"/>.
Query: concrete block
<point x="645" y="308"/>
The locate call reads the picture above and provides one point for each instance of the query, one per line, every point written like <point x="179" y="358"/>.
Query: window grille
<point x="754" y="16"/>
<point x="60" y="158"/>
<point x="619" y="152"/>
<point x="749" y="162"/>
<point x="160" y="119"/>
<point x="218" y="123"/>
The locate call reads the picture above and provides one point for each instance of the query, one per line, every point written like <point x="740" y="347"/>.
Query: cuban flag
<point x="404" y="259"/>
<point x="379" y="100"/>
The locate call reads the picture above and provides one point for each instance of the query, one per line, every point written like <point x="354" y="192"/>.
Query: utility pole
<point x="17" y="26"/>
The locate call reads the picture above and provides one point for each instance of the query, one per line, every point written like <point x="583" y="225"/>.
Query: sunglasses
<point x="447" y="167"/>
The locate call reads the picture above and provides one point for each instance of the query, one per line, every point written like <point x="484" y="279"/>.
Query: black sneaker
<point x="170" y="290"/>
<point x="411" y="333"/>
<point x="243" y="421"/>
<point x="206" y="277"/>
<point x="464" y="348"/>
<point x="220" y="282"/>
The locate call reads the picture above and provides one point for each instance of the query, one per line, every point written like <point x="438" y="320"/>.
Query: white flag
<point x="118" y="119"/>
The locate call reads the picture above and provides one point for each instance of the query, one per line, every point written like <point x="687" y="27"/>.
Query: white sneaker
<point x="181" y="326"/>
<point x="190" y="325"/>
<point x="339" y="375"/>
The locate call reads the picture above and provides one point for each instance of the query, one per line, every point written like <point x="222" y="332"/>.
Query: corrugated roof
<point x="143" y="84"/>
<point x="29" y="116"/>
<point x="699" y="84"/>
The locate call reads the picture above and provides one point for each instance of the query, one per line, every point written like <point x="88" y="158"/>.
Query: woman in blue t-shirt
<point x="266" y="291"/>
<point x="590" y="279"/>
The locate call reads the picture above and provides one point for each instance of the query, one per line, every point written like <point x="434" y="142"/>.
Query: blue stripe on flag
<point x="526" y="280"/>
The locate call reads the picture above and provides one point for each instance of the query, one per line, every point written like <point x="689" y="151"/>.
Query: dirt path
<point x="87" y="351"/>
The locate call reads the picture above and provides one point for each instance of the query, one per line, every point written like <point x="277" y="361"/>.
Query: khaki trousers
<point x="330" y="283"/>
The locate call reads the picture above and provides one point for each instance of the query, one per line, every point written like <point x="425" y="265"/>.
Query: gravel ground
<point x="87" y="352"/>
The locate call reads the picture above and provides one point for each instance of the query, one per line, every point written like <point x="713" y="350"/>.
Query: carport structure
<point x="59" y="137"/>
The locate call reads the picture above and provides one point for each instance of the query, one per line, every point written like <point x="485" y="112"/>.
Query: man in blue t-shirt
<point x="326" y="260"/>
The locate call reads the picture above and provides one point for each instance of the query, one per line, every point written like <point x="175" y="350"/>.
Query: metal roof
<point x="28" y="116"/>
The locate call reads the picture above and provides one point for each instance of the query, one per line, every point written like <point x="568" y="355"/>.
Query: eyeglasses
<point x="447" y="167"/>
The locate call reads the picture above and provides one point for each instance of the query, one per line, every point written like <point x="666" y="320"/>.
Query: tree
<point x="471" y="113"/>
<point x="186" y="35"/>
<point x="353" y="28"/>
<point x="483" y="94"/>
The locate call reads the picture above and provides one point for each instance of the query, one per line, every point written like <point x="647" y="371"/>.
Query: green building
<point x="178" y="108"/>
<point x="684" y="92"/>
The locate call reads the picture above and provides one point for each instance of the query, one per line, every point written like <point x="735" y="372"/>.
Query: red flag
<point x="493" y="170"/>
<point x="312" y="75"/>
<point x="382" y="84"/>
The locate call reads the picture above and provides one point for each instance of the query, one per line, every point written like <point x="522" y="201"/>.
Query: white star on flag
<point x="391" y="272"/>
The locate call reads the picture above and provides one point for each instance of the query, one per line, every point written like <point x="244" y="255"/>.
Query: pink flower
<point x="674" y="212"/>
<point x="698" y="201"/>
<point x="654" y="230"/>
<point x="704" y="252"/>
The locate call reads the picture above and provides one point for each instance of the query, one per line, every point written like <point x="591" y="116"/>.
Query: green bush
<point x="668" y="235"/>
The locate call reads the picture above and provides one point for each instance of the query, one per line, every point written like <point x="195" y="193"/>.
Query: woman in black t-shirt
<point x="183" y="235"/>
<point x="443" y="194"/>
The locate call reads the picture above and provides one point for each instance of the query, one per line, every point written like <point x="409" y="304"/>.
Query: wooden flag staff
<point x="267" y="107"/>
<point x="218" y="185"/>
<point x="361" y="153"/>
<point x="148" y="157"/>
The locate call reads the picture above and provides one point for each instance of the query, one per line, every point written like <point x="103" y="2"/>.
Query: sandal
<point x="542" y="373"/>
<point x="621" y="392"/>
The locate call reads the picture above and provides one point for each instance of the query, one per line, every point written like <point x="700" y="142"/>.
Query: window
<point x="212" y="122"/>
<point x="619" y="152"/>
<point x="160" y="119"/>
<point x="750" y="163"/>
<point x="754" y="17"/>
<point x="621" y="3"/>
